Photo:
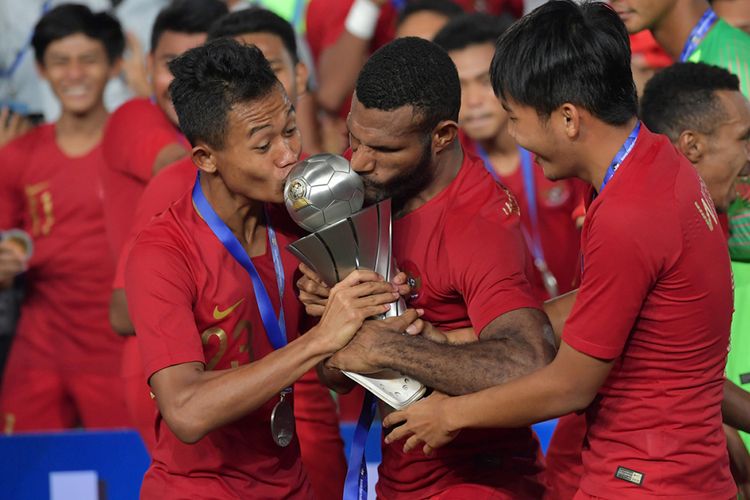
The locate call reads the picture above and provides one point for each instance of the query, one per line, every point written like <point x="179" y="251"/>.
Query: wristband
<point x="362" y="19"/>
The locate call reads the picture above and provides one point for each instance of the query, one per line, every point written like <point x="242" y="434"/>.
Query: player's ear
<point x="692" y="144"/>
<point x="571" y="119"/>
<point x="204" y="159"/>
<point x="301" y="76"/>
<point x="443" y="135"/>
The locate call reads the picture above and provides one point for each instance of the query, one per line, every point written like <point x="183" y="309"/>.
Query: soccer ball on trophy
<point x="322" y="190"/>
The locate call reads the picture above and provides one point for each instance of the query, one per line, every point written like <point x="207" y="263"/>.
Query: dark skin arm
<point x="558" y="310"/>
<point x="514" y="344"/>
<point x="735" y="408"/>
<point x="119" y="317"/>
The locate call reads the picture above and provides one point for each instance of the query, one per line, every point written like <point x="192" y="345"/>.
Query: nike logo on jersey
<point x="219" y="315"/>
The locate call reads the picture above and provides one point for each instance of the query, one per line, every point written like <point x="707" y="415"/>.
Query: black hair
<point x="447" y="8"/>
<point x="69" y="19"/>
<point x="256" y="20"/>
<point x="413" y="72"/>
<point x="210" y="79"/>
<point x="563" y="52"/>
<point x="683" y="96"/>
<point x="187" y="16"/>
<point x="472" y="29"/>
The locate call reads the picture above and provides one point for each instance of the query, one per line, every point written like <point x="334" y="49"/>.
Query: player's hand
<point x="12" y="263"/>
<point x="12" y="125"/>
<point x="401" y="280"/>
<point x="313" y="292"/>
<point x="134" y="67"/>
<point x="357" y="297"/>
<point x="361" y="354"/>
<point x="422" y="424"/>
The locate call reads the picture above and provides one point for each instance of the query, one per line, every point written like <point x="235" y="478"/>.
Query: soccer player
<point x="315" y="410"/>
<point x="63" y="369"/>
<point x="208" y="284"/>
<point x="424" y="18"/>
<point x="456" y="234"/>
<point x="141" y="138"/>
<point x="547" y="207"/>
<point x="655" y="266"/>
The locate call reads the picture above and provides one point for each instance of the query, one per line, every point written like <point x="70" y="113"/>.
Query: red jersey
<point x="556" y="202"/>
<point x="57" y="199"/>
<point x="192" y="301"/>
<point x="655" y="296"/>
<point x="325" y="23"/>
<point x="465" y="251"/>
<point x="135" y="134"/>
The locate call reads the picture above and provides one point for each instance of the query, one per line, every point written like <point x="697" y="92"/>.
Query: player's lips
<point x="76" y="91"/>
<point x="473" y="121"/>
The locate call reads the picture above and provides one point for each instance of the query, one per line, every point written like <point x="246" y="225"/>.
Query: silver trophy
<point x="324" y="195"/>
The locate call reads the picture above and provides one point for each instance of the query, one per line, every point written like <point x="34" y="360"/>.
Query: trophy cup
<point x="324" y="195"/>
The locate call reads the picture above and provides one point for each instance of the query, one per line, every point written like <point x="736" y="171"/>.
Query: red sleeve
<point x="488" y="259"/>
<point x="160" y="295"/>
<point x="12" y="156"/>
<point x="619" y="269"/>
<point x="134" y="136"/>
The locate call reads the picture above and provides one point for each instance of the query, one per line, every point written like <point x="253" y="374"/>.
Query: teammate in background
<point x="141" y="138"/>
<point x="702" y="111"/>
<point x="655" y="265"/>
<point x="424" y="18"/>
<point x="315" y="410"/>
<point x="209" y="283"/>
<point x="456" y="234"/>
<point x="734" y="12"/>
<point x="63" y="368"/>
<point x="547" y="207"/>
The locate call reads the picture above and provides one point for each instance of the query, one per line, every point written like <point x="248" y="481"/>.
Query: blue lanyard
<point x="698" y="33"/>
<point x="8" y="72"/>
<point x="275" y="328"/>
<point x="529" y="186"/>
<point x="355" y="486"/>
<point x="623" y="152"/>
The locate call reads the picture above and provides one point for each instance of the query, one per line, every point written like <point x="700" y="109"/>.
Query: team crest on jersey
<point x="511" y="204"/>
<point x="556" y="196"/>
<point x="413" y="278"/>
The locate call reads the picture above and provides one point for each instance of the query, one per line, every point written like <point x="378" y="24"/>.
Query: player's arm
<point x="567" y="384"/>
<point x="558" y="310"/>
<point x="119" y="316"/>
<point x="515" y="343"/>
<point x="340" y="62"/>
<point x="735" y="408"/>
<point x="168" y="155"/>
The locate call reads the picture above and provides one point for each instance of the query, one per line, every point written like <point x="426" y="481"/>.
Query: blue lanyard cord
<point x="698" y="33"/>
<point x="622" y="153"/>
<point x="355" y="486"/>
<point x="529" y="186"/>
<point x="275" y="328"/>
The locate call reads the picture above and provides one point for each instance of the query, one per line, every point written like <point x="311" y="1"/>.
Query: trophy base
<point x="394" y="389"/>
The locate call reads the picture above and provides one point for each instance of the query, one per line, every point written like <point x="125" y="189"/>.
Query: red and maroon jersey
<point x="466" y="255"/>
<point x="57" y="199"/>
<point x="656" y="297"/>
<point x="134" y="136"/>
<point x="190" y="300"/>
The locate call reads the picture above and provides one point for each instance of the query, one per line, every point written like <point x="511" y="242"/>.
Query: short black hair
<point x="70" y="19"/>
<point x="683" y="96"/>
<point x="413" y="72"/>
<point x="448" y="8"/>
<point x="187" y="16"/>
<point x="210" y="79"/>
<point x="256" y="20"/>
<point x="472" y="29"/>
<point x="563" y="52"/>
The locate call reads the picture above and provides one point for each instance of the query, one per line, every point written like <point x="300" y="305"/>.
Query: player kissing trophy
<point x="325" y="196"/>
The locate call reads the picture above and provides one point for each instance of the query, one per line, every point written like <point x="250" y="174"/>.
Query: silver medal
<point x="282" y="420"/>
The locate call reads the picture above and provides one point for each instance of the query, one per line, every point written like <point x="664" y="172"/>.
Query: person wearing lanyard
<point x="655" y="266"/>
<point x="547" y="207"/>
<point x="209" y="283"/>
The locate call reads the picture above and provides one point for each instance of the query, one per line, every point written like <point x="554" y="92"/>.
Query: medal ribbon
<point x="355" y="486"/>
<point x="534" y="241"/>
<point x="698" y="33"/>
<point x="275" y="327"/>
<point x="622" y="153"/>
